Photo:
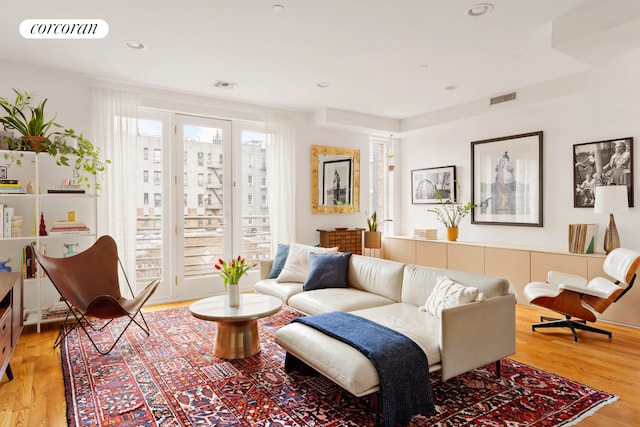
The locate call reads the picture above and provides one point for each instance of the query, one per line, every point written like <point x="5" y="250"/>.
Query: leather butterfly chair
<point x="579" y="300"/>
<point x="89" y="284"/>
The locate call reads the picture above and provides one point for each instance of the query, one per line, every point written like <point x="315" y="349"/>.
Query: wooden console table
<point x="11" y="318"/>
<point x="346" y="240"/>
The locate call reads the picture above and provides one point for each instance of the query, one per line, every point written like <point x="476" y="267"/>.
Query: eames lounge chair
<point x="89" y="284"/>
<point x="579" y="300"/>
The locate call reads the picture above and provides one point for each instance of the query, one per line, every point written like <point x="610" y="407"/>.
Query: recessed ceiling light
<point x="323" y="84"/>
<point x="480" y="9"/>
<point x="451" y="87"/>
<point x="134" y="44"/>
<point x="277" y="8"/>
<point x="423" y="67"/>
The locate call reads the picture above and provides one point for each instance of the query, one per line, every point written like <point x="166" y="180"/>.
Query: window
<point x="157" y="200"/>
<point x="208" y="158"/>
<point x="264" y="200"/>
<point x="263" y="182"/>
<point x="145" y="176"/>
<point x="249" y="180"/>
<point x="146" y="153"/>
<point x="157" y="177"/>
<point x="145" y="200"/>
<point x="200" y="180"/>
<point x="250" y="160"/>
<point x="186" y="162"/>
<point x="378" y="179"/>
<point x="157" y="156"/>
<point x="209" y="179"/>
<point x="250" y="199"/>
<point x="200" y="200"/>
<point x="186" y="179"/>
<point x="200" y="158"/>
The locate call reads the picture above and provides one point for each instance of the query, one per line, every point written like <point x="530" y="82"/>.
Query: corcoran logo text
<point x="64" y="29"/>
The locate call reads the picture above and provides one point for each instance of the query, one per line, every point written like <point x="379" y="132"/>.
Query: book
<point x="6" y="220"/>
<point x="61" y="191"/>
<point x="582" y="238"/>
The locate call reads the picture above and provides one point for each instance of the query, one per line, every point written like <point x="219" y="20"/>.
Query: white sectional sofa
<point x="457" y="338"/>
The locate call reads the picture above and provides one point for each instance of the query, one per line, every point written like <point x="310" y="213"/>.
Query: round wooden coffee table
<point x="237" y="334"/>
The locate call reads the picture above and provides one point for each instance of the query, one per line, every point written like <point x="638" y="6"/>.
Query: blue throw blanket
<point x="402" y="366"/>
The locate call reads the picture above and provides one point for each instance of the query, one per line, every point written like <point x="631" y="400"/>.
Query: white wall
<point x="606" y="107"/>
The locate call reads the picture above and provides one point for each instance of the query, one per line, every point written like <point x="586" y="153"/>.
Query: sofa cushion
<point x="296" y="267"/>
<point x="345" y="365"/>
<point x="283" y="290"/>
<point x="327" y="271"/>
<point x="336" y="299"/>
<point x="378" y="276"/>
<point x="420" y="326"/>
<point x="281" y="257"/>
<point x="418" y="282"/>
<point x="449" y="293"/>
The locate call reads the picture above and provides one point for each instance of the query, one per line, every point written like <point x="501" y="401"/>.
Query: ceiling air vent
<point x="503" y="98"/>
<point x="221" y="84"/>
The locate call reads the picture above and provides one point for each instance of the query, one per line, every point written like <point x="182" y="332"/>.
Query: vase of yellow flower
<point x="231" y="271"/>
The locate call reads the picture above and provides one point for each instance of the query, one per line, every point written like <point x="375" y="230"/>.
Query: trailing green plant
<point x="372" y="221"/>
<point x="450" y="213"/>
<point x="28" y="118"/>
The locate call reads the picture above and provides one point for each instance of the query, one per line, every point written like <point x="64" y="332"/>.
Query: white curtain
<point x="281" y="176"/>
<point x="114" y="123"/>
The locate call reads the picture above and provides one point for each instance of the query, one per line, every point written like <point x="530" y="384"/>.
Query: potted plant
<point x="231" y="271"/>
<point x="450" y="213"/>
<point x="29" y="119"/>
<point x="373" y="237"/>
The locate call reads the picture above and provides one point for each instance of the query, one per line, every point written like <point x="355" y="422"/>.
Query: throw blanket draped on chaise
<point x="402" y="366"/>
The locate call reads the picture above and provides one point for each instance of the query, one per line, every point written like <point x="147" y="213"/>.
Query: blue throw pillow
<point x="279" y="260"/>
<point x="327" y="271"/>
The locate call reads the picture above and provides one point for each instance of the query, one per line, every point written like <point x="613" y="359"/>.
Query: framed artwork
<point x="3" y="172"/>
<point x="424" y="183"/>
<point x="598" y="163"/>
<point x="336" y="180"/>
<point x="507" y="180"/>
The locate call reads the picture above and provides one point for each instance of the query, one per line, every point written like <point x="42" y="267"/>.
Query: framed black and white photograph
<point x="507" y="180"/>
<point x="337" y="182"/>
<point x="3" y="172"/>
<point x="425" y="182"/>
<point x="608" y="162"/>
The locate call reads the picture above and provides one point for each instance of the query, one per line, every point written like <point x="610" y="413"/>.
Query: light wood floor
<point x="36" y="395"/>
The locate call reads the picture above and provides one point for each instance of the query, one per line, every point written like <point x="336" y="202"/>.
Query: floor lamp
<point x="611" y="199"/>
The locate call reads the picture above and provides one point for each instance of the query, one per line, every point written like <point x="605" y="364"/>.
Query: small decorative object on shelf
<point x="70" y="249"/>
<point x="450" y="212"/>
<point x="231" y="271"/>
<point x="43" y="226"/>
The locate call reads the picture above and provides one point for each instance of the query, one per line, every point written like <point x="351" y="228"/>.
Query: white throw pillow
<point x="448" y="293"/>
<point x="296" y="268"/>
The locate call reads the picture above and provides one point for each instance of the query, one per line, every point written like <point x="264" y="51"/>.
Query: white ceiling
<point x="368" y="50"/>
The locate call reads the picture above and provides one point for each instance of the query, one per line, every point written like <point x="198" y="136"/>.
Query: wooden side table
<point x="11" y="318"/>
<point x="345" y="239"/>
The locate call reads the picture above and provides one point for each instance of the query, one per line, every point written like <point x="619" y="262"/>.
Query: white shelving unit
<point x="39" y="172"/>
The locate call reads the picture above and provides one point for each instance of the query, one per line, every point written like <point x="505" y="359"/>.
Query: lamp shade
<point x="611" y="199"/>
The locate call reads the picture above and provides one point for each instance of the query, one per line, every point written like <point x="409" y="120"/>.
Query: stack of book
<point x="582" y="238"/>
<point x="428" y="234"/>
<point x="70" y="188"/>
<point x="69" y="227"/>
<point x="11" y="186"/>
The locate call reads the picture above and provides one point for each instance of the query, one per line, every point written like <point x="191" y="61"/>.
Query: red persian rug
<point x="171" y="378"/>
